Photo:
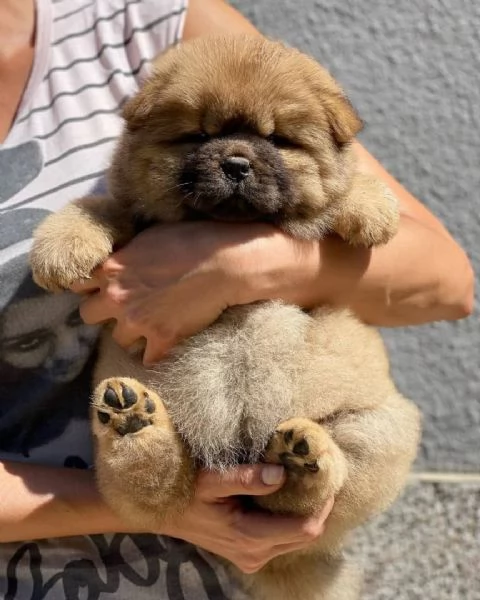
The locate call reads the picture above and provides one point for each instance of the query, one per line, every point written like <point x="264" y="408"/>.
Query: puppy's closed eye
<point x="195" y="137"/>
<point x="281" y="141"/>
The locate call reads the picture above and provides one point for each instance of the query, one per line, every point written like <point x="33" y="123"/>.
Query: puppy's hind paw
<point x="315" y="468"/>
<point x="142" y="468"/>
<point x="125" y="406"/>
<point x="306" y="450"/>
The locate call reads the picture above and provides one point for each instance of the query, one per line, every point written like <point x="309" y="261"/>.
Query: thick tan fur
<point x="268" y="381"/>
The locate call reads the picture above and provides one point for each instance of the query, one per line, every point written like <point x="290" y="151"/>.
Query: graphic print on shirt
<point x="117" y="562"/>
<point x="44" y="346"/>
<point x="28" y="162"/>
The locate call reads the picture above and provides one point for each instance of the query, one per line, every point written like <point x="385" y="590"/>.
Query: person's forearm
<point x="420" y="276"/>
<point x="39" y="502"/>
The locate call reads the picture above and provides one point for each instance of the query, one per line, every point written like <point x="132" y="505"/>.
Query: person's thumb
<point x="244" y="480"/>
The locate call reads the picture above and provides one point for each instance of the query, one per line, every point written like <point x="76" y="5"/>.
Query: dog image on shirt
<point x="244" y="129"/>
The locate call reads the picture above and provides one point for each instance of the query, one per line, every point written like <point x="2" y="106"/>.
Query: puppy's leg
<point x="316" y="470"/>
<point x="369" y="215"/>
<point x="305" y="576"/>
<point x="69" y="244"/>
<point x="376" y="448"/>
<point x="380" y="446"/>
<point x="316" y="467"/>
<point x="143" y="470"/>
<point x="364" y="458"/>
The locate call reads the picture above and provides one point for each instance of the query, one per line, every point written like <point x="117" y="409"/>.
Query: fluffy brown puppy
<point x="244" y="129"/>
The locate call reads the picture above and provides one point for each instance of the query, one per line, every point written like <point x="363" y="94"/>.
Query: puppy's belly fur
<point x="227" y="388"/>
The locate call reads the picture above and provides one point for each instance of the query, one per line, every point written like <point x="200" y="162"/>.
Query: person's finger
<point x="284" y="529"/>
<point x="96" y="309"/>
<point x="124" y="335"/>
<point x="252" y="565"/>
<point x="86" y="286"/>
<point x="287" y="548"/>
<point x="245" y="480"/>
<point x="157" y="347"/>
<point x="275" y="529"/>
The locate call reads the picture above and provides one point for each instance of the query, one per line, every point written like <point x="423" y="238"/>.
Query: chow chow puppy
<point x="244" y="129"/>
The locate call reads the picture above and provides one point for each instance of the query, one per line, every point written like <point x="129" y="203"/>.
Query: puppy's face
<point x="236" y="128"/>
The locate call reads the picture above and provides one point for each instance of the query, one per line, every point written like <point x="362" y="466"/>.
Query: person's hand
<point x="174" y="280"/>
<point x="216" y="522"/>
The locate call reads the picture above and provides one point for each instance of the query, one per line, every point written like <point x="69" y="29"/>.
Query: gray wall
<point x="412" y="69"/>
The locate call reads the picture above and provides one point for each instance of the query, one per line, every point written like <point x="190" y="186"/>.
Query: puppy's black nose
<point x="236" y="168"/>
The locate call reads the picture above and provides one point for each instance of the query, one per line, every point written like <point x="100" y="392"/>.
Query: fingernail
<point x="272" y="474"/>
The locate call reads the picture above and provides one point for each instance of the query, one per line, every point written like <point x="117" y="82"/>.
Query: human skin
<point x="422" y="275"/>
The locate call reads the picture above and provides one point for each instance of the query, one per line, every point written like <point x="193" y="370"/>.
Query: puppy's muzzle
<point x="239" y="177"/>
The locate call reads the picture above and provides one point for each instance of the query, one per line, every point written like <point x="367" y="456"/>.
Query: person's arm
<point x="422" y="275"/>
<point x="38" y="502"/>
<point x="205" y="17"/>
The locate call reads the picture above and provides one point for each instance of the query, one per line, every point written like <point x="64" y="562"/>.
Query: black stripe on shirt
<point x="73" y="12"/>
<point x="96" y="22"/>
<point x="124" y="43"/>
<point x="121" y="44"/>
<point x="78" y="61"/>
<point x="101" y="111"/>
<point x="85" y="87"/>
<point x="105" y="140"/>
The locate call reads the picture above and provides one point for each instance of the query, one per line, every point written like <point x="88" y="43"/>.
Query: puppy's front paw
<point x="370" y="216"/>
<point x="60" y="256"/>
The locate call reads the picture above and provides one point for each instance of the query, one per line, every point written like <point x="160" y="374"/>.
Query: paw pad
<point x="103" y="417"/>
<point x="150" y="405"/>
<point x="301" y="448"/>
<point x="132" y="424"/>
<point x="112" y="399"/>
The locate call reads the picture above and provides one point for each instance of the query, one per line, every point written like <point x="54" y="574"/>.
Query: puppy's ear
<point x="136" y="111"/>
<point x="146" y="101"/>
<point x="344" y="122"/>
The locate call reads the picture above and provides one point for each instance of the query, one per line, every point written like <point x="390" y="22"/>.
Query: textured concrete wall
<point x="412" y="69"/>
